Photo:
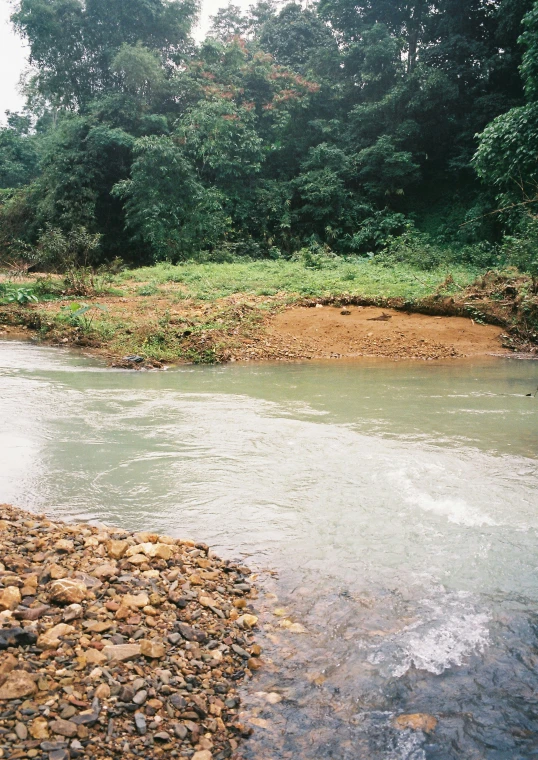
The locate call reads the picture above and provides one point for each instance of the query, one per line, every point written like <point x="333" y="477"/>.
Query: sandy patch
<point x="327" y="331"/>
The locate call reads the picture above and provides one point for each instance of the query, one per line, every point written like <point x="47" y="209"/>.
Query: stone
<point x="21" y="731"/>
<point x="136" y="601"/>
<point x="416" y="722"/>
<point x="18" y="684"/>
<point x="122" y="652"/>
<point x="85" y="718"/>
<point x="51" y="638"/>
<point x="17" y="637"/>
<point x="116" y="549"/>
<point x="140" y="723"/>
<point x="178" y="701"/>
<point x="152" y="648"/>
<point x="7" y="664"/>
<point x="140" y="697"/>
<point x="187" y="631"/>
<point x="59" y="754"/>
<point x="10" y="598"/>
<point x="95" y="657"/>
<point x="31" y="614"/>
<point x="102" y="691"/>
<point x="247" y="621"/>
<point x="39" y="729"/>
<point x="203" y="754"/>
<point x="161" y="736"/>
<point x="56" y="571"/>
<point x="68" y="591"/>
<point x="64" y="728"/>
<point x="180" y="731"/>
<point x="63" y="545"/>
<point x="104" y="571"/>
<point x="73" y="612"/>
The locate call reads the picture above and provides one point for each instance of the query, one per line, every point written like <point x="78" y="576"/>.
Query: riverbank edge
<point x="119" y="643"/>
<point x="237" y="328"/>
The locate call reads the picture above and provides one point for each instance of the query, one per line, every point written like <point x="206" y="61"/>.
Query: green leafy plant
<point x="75" y="314"/>
<point x="22" y="296"/>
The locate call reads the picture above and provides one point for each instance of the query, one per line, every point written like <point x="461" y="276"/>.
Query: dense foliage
<point x="336" y="128"/>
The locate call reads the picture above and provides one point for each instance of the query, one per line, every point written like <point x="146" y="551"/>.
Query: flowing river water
<point x="390" y="510"/>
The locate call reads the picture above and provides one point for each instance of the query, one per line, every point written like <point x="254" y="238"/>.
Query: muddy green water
<point x="391" y="508"/>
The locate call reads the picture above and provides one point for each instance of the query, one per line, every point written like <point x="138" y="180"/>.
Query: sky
<point x="13" y="54"/>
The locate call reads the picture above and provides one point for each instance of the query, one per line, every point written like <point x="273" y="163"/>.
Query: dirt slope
<point x="355" y="331"/>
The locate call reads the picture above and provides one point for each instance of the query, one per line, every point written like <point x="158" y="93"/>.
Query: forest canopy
<point x="338" y="126"/>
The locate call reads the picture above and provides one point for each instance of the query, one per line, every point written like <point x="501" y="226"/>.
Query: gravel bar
<point x="119" y="644"/>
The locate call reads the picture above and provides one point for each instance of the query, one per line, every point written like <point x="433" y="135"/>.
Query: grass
<point x="362" y="277"/>
<point x="216" y="311"/>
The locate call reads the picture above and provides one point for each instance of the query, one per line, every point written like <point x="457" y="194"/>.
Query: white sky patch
<point x="13" y="53"/>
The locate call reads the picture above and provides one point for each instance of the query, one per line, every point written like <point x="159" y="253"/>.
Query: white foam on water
<point x="455" y="509"/>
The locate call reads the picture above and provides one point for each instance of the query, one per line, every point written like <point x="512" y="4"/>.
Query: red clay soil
<point x="355" y="331"/>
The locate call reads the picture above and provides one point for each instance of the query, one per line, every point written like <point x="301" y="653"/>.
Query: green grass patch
<point x="361" y="277"/>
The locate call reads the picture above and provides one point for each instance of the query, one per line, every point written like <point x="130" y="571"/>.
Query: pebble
<point x="131" y="643"/>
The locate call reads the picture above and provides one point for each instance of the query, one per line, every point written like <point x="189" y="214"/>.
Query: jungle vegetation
<point x="403" y="128"/>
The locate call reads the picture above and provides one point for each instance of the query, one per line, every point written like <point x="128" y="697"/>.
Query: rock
<point x="7" y="664"/>
<point x="59" y="754"/>
<point x="63" y="545"/>
<point x="247" y="621"/>
<point x="64" y="728"/>
<point x="134" y="359"/>
<point x="162" y="736"/>
<point x="56" y="571"/>
<point x="174" y="638"/>
<point x="140" y="723"/>
<point x="178" y="701"/>
<point x="186" y="631"/>
<point x="240" y="651"/>
<point x="51" y="638"/>
<point x="116" y="549"/>
<point x="345" y="312"/>
<point x="203" y="754"/>
<point x="122" y="652"/>
<point x="16" y="637"/>
<point x="21" y="731"/>
<point x="33" y="613"/>
<point x="152" y="648"/>
<point x="18" y="684"/>
<point x="73" y="612"/>
<point x="180" y="731"/>
<point x="68" y="591"/>
<point x="10" y="598"/>
<point x="416" y="722"/>
<point x="140" y="697"/>
<point x="39" y="729"/>
<point x="104" y="571"/>
<point x="102" y="691"/>
<point x="95" y="657"/>
<point x="85" y="718"/>
<point x="137" y="601"/>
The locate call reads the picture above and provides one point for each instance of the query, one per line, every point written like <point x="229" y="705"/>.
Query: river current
<point x="390" y="511"/>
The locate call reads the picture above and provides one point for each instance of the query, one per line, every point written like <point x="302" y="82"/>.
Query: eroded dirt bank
<point x="357" y="331"/>
<point x="118" y="644"/>
<point x="497" y="314"/>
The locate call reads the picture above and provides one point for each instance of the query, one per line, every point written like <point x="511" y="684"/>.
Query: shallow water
<point x="392" y="510"/>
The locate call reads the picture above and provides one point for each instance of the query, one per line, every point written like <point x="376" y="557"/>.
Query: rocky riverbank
<point x="119" y="644"/>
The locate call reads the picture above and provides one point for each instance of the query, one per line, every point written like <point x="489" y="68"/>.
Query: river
<point x="390" y="510"/>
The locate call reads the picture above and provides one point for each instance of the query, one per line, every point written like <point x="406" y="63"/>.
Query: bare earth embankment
<point x="259" y="311"/>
